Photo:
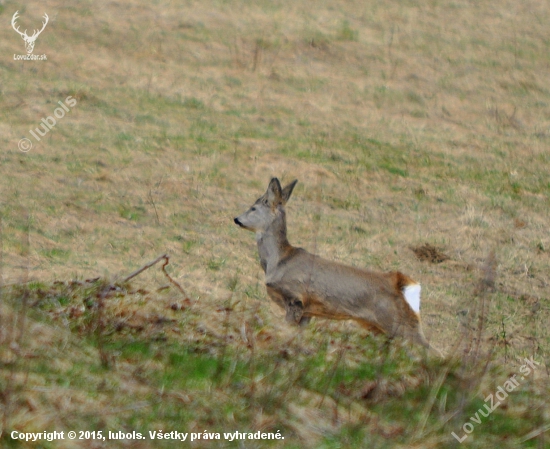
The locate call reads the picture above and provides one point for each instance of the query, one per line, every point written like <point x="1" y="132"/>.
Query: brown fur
<point x="308" y="286"/>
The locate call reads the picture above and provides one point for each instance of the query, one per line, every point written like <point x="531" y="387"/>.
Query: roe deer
<point x="306" y="286"/>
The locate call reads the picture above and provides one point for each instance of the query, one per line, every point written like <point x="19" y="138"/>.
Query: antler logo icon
<point x="29" y="40"/>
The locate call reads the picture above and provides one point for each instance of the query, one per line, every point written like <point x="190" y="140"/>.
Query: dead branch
<point x="178" y="286"/>
<point x="149" y="265"/>
<point x="152" y="201"/>
<point x="145" y="267"/>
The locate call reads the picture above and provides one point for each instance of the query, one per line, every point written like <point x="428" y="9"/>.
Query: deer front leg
<point x="293" y="306"/>
<point x="294" y="310"/>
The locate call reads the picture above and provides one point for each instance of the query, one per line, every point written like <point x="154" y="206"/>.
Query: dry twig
<point x="178" y="286"/>
<point x="149" y="265"/>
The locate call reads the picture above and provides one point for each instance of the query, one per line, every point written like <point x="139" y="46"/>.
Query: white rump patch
<point x="412" y="295"/>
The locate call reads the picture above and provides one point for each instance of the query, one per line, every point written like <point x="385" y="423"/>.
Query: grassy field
<point x="420" y="136"/>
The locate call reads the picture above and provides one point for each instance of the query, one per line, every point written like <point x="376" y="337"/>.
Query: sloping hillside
<point x="420" y="138"/>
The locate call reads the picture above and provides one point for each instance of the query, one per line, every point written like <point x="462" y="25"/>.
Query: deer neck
<point x="273" y="243"/>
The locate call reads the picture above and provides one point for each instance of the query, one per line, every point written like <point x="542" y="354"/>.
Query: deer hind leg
<point x="371" y="327"/>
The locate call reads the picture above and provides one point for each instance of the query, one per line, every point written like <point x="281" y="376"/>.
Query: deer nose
<point x="236" y="220"/>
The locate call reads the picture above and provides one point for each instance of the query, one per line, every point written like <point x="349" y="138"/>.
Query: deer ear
<point x="273" y="193"/>
<point x="287" y="191"/>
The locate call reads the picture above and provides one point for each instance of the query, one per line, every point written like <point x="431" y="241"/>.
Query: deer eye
<point x="253" y="209"/>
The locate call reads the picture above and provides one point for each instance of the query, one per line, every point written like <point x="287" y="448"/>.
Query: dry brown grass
<point x="405" y="124"/>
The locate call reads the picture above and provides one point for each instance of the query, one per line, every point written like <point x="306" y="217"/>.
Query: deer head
<point x="29" y="40"/>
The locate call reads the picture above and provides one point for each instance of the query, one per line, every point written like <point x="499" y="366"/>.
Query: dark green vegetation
<point x="131" y="359"/>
